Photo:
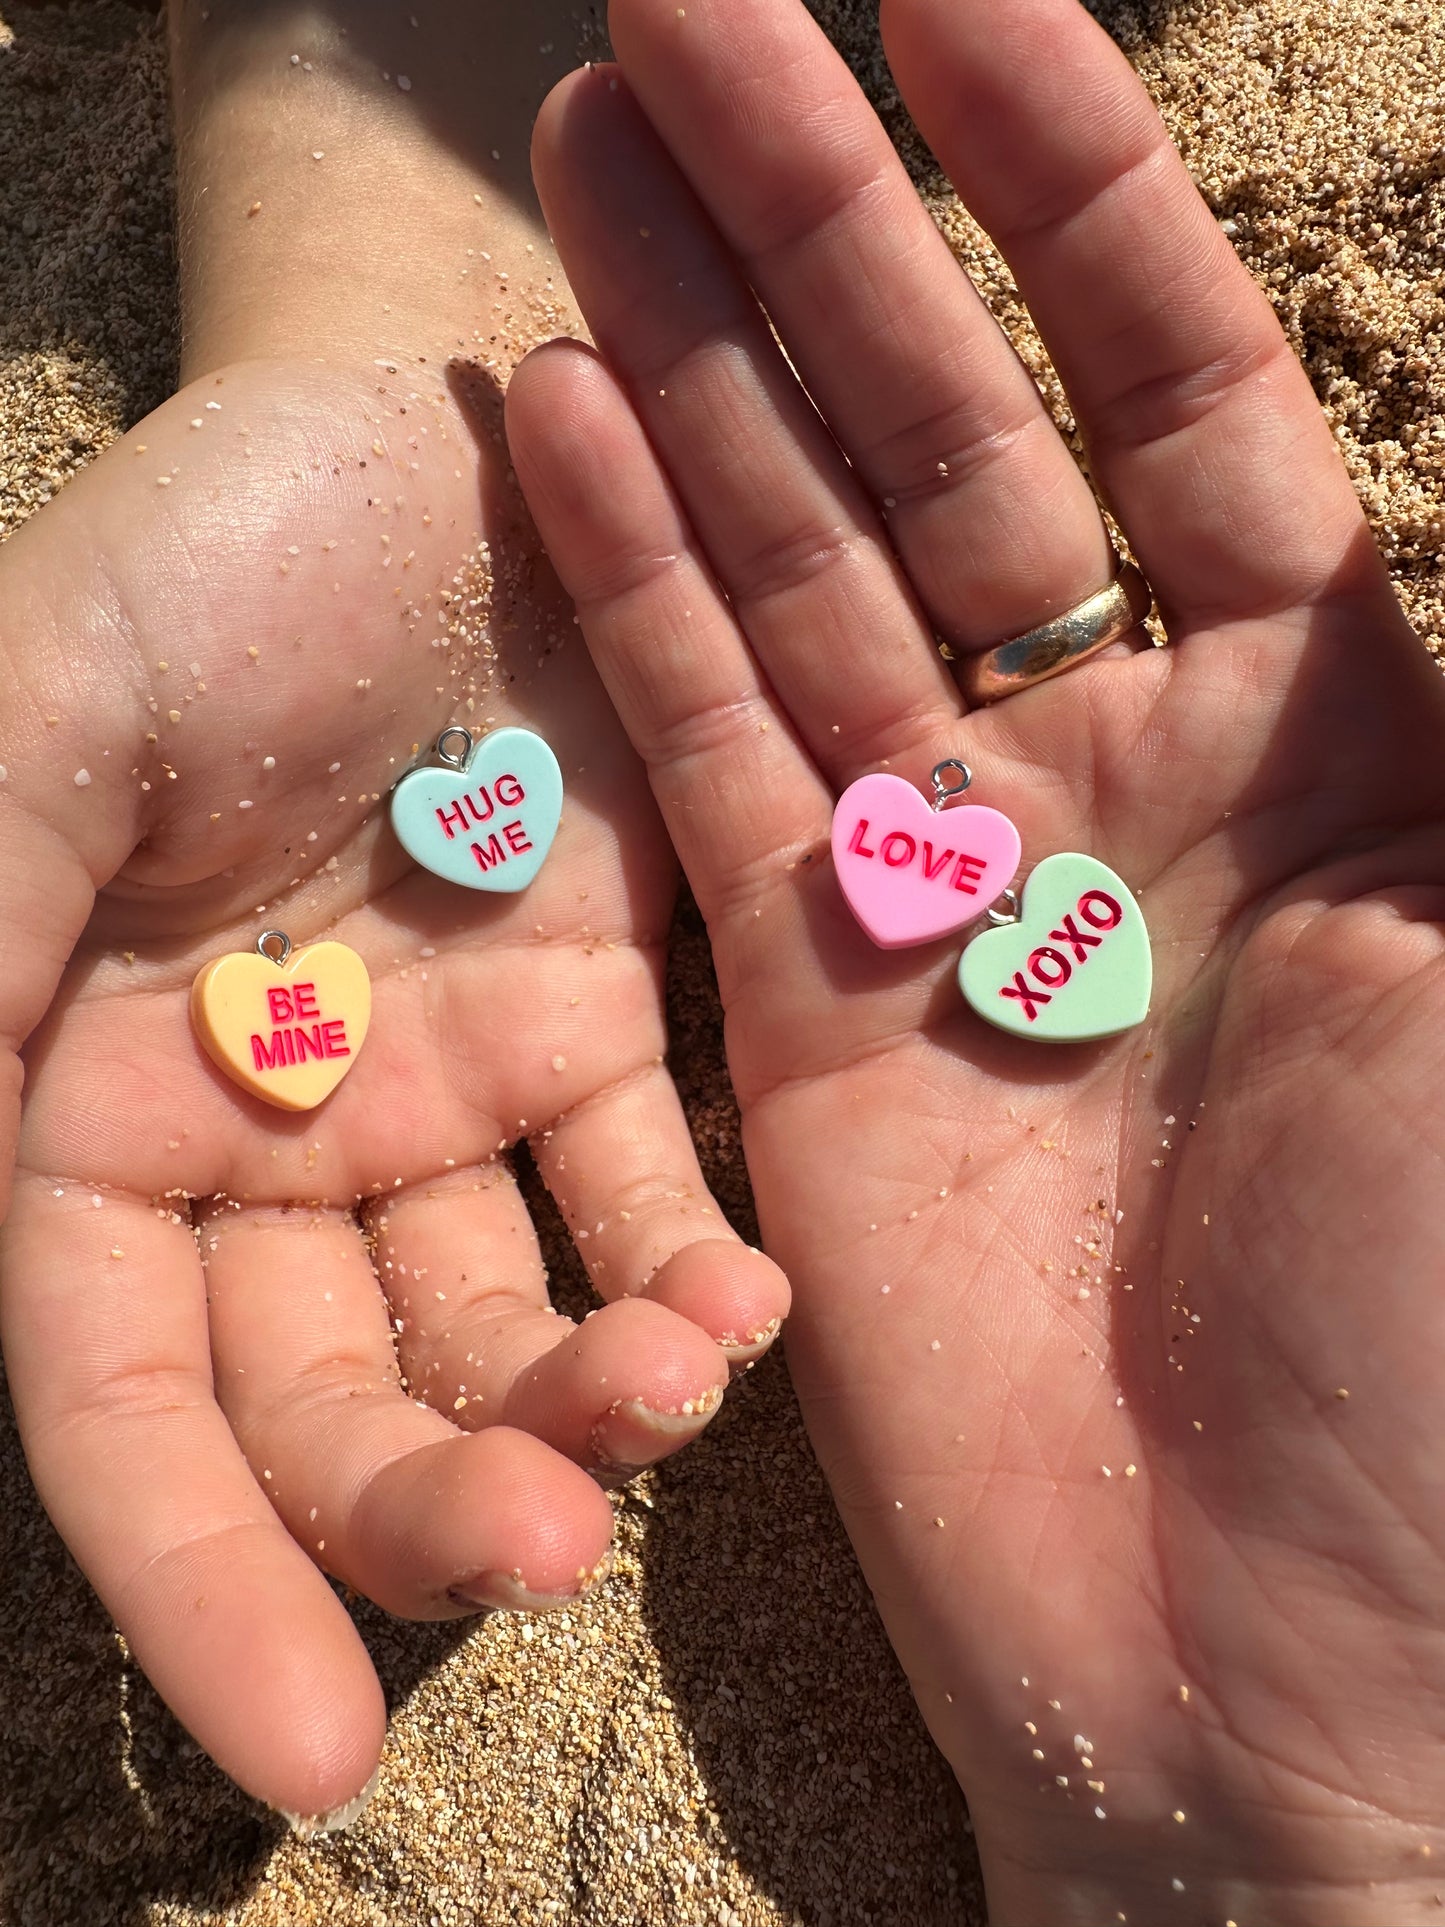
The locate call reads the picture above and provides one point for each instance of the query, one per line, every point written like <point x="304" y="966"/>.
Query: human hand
<point x="1123" y="1360"/>
<point x="239" y="625"/>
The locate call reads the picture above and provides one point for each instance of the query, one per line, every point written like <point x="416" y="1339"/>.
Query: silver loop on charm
<point x="444" y="755"/>
<point x="945" y="792"/>
<point x="282" y="944"/>
<point x="998" y="917"/>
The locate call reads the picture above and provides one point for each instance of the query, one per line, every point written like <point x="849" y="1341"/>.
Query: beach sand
<point x="721" y="1737"/>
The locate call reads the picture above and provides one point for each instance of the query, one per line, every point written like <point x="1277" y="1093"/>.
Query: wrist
<point x="415" y="231"/>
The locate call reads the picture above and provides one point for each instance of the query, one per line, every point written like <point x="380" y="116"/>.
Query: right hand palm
<point x="1075" y="1367"/>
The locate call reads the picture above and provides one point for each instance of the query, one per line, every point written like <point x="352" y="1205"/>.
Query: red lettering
<point x="294" y="1046"/>
<point x="272" y="1058"/>
<point x="306" y="1005"/>
<point x="1028" y="998"/>
<point x="280" y="1002"/>
<point x="930" y="868"/>
<point x="308" y="1040"/>
<point x="455" y="815"/>
<point x="856" y="847"/>
<point x="898" y="840"/>
<point x="1080" y="939"/>
<point x="492" y="855"/>
<point x="1113" y="912"/>
<point x="513" y="794"/>
<point x="516" y="838"/>
<point x="486" y="798"/>
<point x="1063" y="968"/>
<point x="966" y="873"/>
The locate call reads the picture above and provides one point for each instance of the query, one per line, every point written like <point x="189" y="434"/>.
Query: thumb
<point x="70" y="801"/>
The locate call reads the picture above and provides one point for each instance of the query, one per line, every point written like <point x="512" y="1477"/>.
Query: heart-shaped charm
<point x="912" y="873"/>
<point x="1075" y="966"/>
<point x="485" y="819"/>
<point x="284" y="1024"/>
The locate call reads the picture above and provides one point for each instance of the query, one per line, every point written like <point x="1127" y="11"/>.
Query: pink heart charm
<point x="911" y="873"/>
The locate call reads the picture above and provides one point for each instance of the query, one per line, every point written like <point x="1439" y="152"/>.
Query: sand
<point x="721" y="1738"/>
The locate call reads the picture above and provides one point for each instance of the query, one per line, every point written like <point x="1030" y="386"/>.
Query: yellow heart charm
<point x="284" y="1024"/>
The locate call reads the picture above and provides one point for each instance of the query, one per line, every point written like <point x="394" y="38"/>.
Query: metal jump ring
<point x="278" y="937"/>
<point x="444" y="755"/>
<point x="999" y="917"/>
<point x="945" y="792"/>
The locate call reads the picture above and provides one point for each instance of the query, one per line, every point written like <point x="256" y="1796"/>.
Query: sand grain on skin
<point x="721" y="1738"/>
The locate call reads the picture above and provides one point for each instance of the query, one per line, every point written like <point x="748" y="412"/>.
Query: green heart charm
<point x="486" y="818"/>
<point x="1076" y="964"/>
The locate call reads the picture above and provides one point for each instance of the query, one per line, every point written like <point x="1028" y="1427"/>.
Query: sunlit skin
<point x="1124" y="1360"/>
<point x="251" y="1349"/>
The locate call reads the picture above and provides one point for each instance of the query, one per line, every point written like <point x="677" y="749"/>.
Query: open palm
<point x="240" y="627"/>
<point x="1122" y="1359"/>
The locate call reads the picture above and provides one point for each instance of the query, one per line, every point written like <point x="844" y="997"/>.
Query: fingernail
<point x="622" y="1438"/>
<point x="307" y="1825"/>
<point x="508" y="1592"/>
<point x="744" y="1351"/>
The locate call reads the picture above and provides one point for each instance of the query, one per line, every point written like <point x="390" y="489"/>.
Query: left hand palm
<point x="215" y="1409"/>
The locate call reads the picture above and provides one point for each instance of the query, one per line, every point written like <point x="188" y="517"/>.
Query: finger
<point x="69" y="813"/>
<point x="385" y="1493"/>
<point x="1202" y="427"/>
<point x="104" y="1317"/>
<point x="785" y="523"/>
<point x="629" y="1386"/>
<point x="475" y="1329"/>
<point x="740" y="797"/>
<point x="985" y="503"/>
<point x="445" y="1252"/>
<point x="624" y="1170"/>
<point x="746" y="810"/>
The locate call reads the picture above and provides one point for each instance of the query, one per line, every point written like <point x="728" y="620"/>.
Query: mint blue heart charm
<point x="483" y="816"/>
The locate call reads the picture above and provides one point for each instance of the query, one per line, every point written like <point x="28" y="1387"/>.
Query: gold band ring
<point x="1062" y="644"/>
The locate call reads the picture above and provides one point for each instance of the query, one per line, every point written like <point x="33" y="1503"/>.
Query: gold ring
<point x="1062" y="644"/>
